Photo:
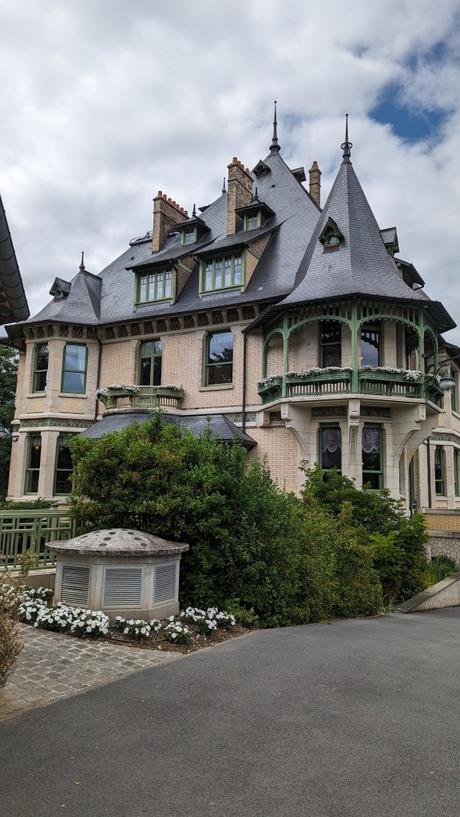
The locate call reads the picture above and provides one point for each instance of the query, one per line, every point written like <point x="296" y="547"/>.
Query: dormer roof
<point x="60" y="288"/>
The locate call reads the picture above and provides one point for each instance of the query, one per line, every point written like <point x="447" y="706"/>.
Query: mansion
<point x="288" y="324"/>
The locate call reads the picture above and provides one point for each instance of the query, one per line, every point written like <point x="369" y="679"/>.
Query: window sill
<point x="217" y="387"/>
<point x="72" y="394"/>
<point x="36" y="394"/>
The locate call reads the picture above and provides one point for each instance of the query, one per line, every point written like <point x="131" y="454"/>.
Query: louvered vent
<point x="165" y="582"/>
<point x="122" y="587"/>
<point x="75" y="585"/>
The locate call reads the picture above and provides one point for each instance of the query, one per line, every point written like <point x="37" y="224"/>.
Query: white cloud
<point x="105" y="101"/>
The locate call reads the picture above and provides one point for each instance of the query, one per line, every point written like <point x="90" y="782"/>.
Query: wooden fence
<point x="21" y="531"/>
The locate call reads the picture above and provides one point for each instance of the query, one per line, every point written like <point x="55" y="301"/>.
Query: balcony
<point x="118" y="398"/>
<point x="383" y="382"/>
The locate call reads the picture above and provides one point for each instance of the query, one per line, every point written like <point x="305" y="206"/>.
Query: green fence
<point x="32" y="529"/>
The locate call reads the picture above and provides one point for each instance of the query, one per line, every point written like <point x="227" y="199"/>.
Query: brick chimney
<point x="166" y="213"/>
<point x="315" y="183"/>
<point x="239" y="192"/>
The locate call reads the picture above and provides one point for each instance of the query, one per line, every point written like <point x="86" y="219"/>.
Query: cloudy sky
<point x="106" y="101"/>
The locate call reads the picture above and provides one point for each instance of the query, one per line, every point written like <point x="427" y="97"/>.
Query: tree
<point x="8" y="378"/>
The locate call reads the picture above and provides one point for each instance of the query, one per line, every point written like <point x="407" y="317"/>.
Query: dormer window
<point x="222" y="272"/>
<point x="188" y="236"/>
<point x="331" y="237"/>
<point x="155" y="286"/>
<point x="254" y="214"/>
<point x="253" y="221"/>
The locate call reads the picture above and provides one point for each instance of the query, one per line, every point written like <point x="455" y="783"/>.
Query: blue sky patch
<point x="410" y="124"/>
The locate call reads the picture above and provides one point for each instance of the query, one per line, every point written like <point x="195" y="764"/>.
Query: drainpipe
<point x="243" y="404"/>
<point x="98" y="378"/>
<point x="428" y="463"/>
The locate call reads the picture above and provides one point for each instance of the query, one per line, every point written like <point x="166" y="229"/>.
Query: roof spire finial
<point x="194" y="211"/>
<point x="346" y="146"/>
<point x="224" y="189"/>
<point x="82" y="262"/>
<point x="274" y="147"/>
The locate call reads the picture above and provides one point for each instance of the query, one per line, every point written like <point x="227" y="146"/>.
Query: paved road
<point x="353" y="719"/>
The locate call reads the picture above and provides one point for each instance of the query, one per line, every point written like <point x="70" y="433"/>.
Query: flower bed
<point x="193" y="628"/>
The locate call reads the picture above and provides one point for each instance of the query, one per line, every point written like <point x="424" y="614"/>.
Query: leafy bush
<point x="397" y="544"/>
<point x="75" y="620"/>
<point x="439" y="568"/>
<point x="10" y="643"/>
<point x="26" y="505"/>
<point x="29" y="610"/>
<point x="176" y="632"/>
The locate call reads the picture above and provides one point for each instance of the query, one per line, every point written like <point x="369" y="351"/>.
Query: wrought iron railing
<point x="31" y="530"/>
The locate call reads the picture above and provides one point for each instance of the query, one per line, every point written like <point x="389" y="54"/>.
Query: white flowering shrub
<point x="133" y="628"/>
<point x="223" y="620"/>
<point x="176" y="632"/>
<point x="207" y="621"/>
<point x="75" y="620"/>
<point x="29" y="609"/>
<point x="43" y="593"/>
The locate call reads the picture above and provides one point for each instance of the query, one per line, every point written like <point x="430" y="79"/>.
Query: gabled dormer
<point x="255" y="214"/>
<point x="331" y="236"/>
<point x="390" y="239"/>
<point x="192" y="230"/>
<point x="60" y="289"/>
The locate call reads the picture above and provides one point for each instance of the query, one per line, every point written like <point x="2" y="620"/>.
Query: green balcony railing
<point x="21" y="531"/>
<point x="329" y="382"/>
<point x="148" y="397"/>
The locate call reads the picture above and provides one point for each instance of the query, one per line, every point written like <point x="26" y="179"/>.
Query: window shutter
<point x="75" y="585"/>
<point x="122" y="587"/>
<point x="165" y="582"/>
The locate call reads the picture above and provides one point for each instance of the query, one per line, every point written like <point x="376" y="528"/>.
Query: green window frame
<point x="252" y="221"/>
<point x="373" y="470"/>
<point x="34" y="454"/>
<point x="330" y="447"/>
<point x="457" y="471"/>
<point x="222" y="272"/>
<point x="40" y="370"/>
<point x="218" y="367"/>
<point x="440" y="470"/>
<point x="150" y="356"/>
<point x="63" y="466"/>
<point x="330" y="343"/>
<point x="454" y="392"/>
<point x="188" y="236"/>
<point x="156" y="286"/>
<point x="74" y="368"/>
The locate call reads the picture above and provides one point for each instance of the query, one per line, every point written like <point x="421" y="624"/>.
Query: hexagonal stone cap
<point x="119" y="542"/>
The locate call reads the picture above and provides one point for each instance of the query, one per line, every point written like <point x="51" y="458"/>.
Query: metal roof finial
<point x="224" y="189"/>
<point x="274" y="147"/>
<point x="82" y="262"/>
<point x="346" y="146"/>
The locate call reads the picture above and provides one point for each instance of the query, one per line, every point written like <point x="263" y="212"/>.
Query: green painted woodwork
<point x="32" y="529"/>
<point x="148" y="397"/>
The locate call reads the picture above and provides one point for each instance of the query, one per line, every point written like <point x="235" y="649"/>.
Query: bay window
<point x="74" y="366"/>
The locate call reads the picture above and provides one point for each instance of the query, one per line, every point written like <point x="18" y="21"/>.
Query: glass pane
<point x="370" y="345"/>
<point x="372" y="481"/>
<point x="252" y="222"/>
<point x="189" y="236"/>
<point x="220" y="347"/>
<point x="157" y="347"/>
<point x="143" y="289"/>
<point x="40" y="381"/>
<point x="208" y="275"/>
<point x="63" y="458"/>
<point x="146" y="367"/>
<point x="332" y="355"/>
<point x="32" y="482"/>
<point x="35" y="451"/>
<point x="222" y="373"/>
<point x="228" y="272"/>
<point x="42" y="356"/>
<point x="331" y="448"/>
<point x="168" y="285"/>
<point x="147" y="348"/>
<point x="331" y="332"/>
<point x="157" y="371"/>
<point x="218" y="280"/>
<point x="63" y="483"/>
<point x="75" y="357"/>
<point x="73" y="382"/>
<point x="237" y="275"/>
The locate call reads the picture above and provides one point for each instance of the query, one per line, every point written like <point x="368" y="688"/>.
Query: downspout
<point x="428" y="463"/>
<point x="98" y="378"/>
<point x="243" y="404"/>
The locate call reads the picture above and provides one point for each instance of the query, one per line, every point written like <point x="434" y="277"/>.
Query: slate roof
<point x="13" y="302"/>
<point x="361" y="265"/>
<point x="219" y="424"/>
<point x="295" y="219"/>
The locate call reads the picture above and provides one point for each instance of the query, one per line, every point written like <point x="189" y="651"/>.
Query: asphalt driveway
<point x="358" y="718"/>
